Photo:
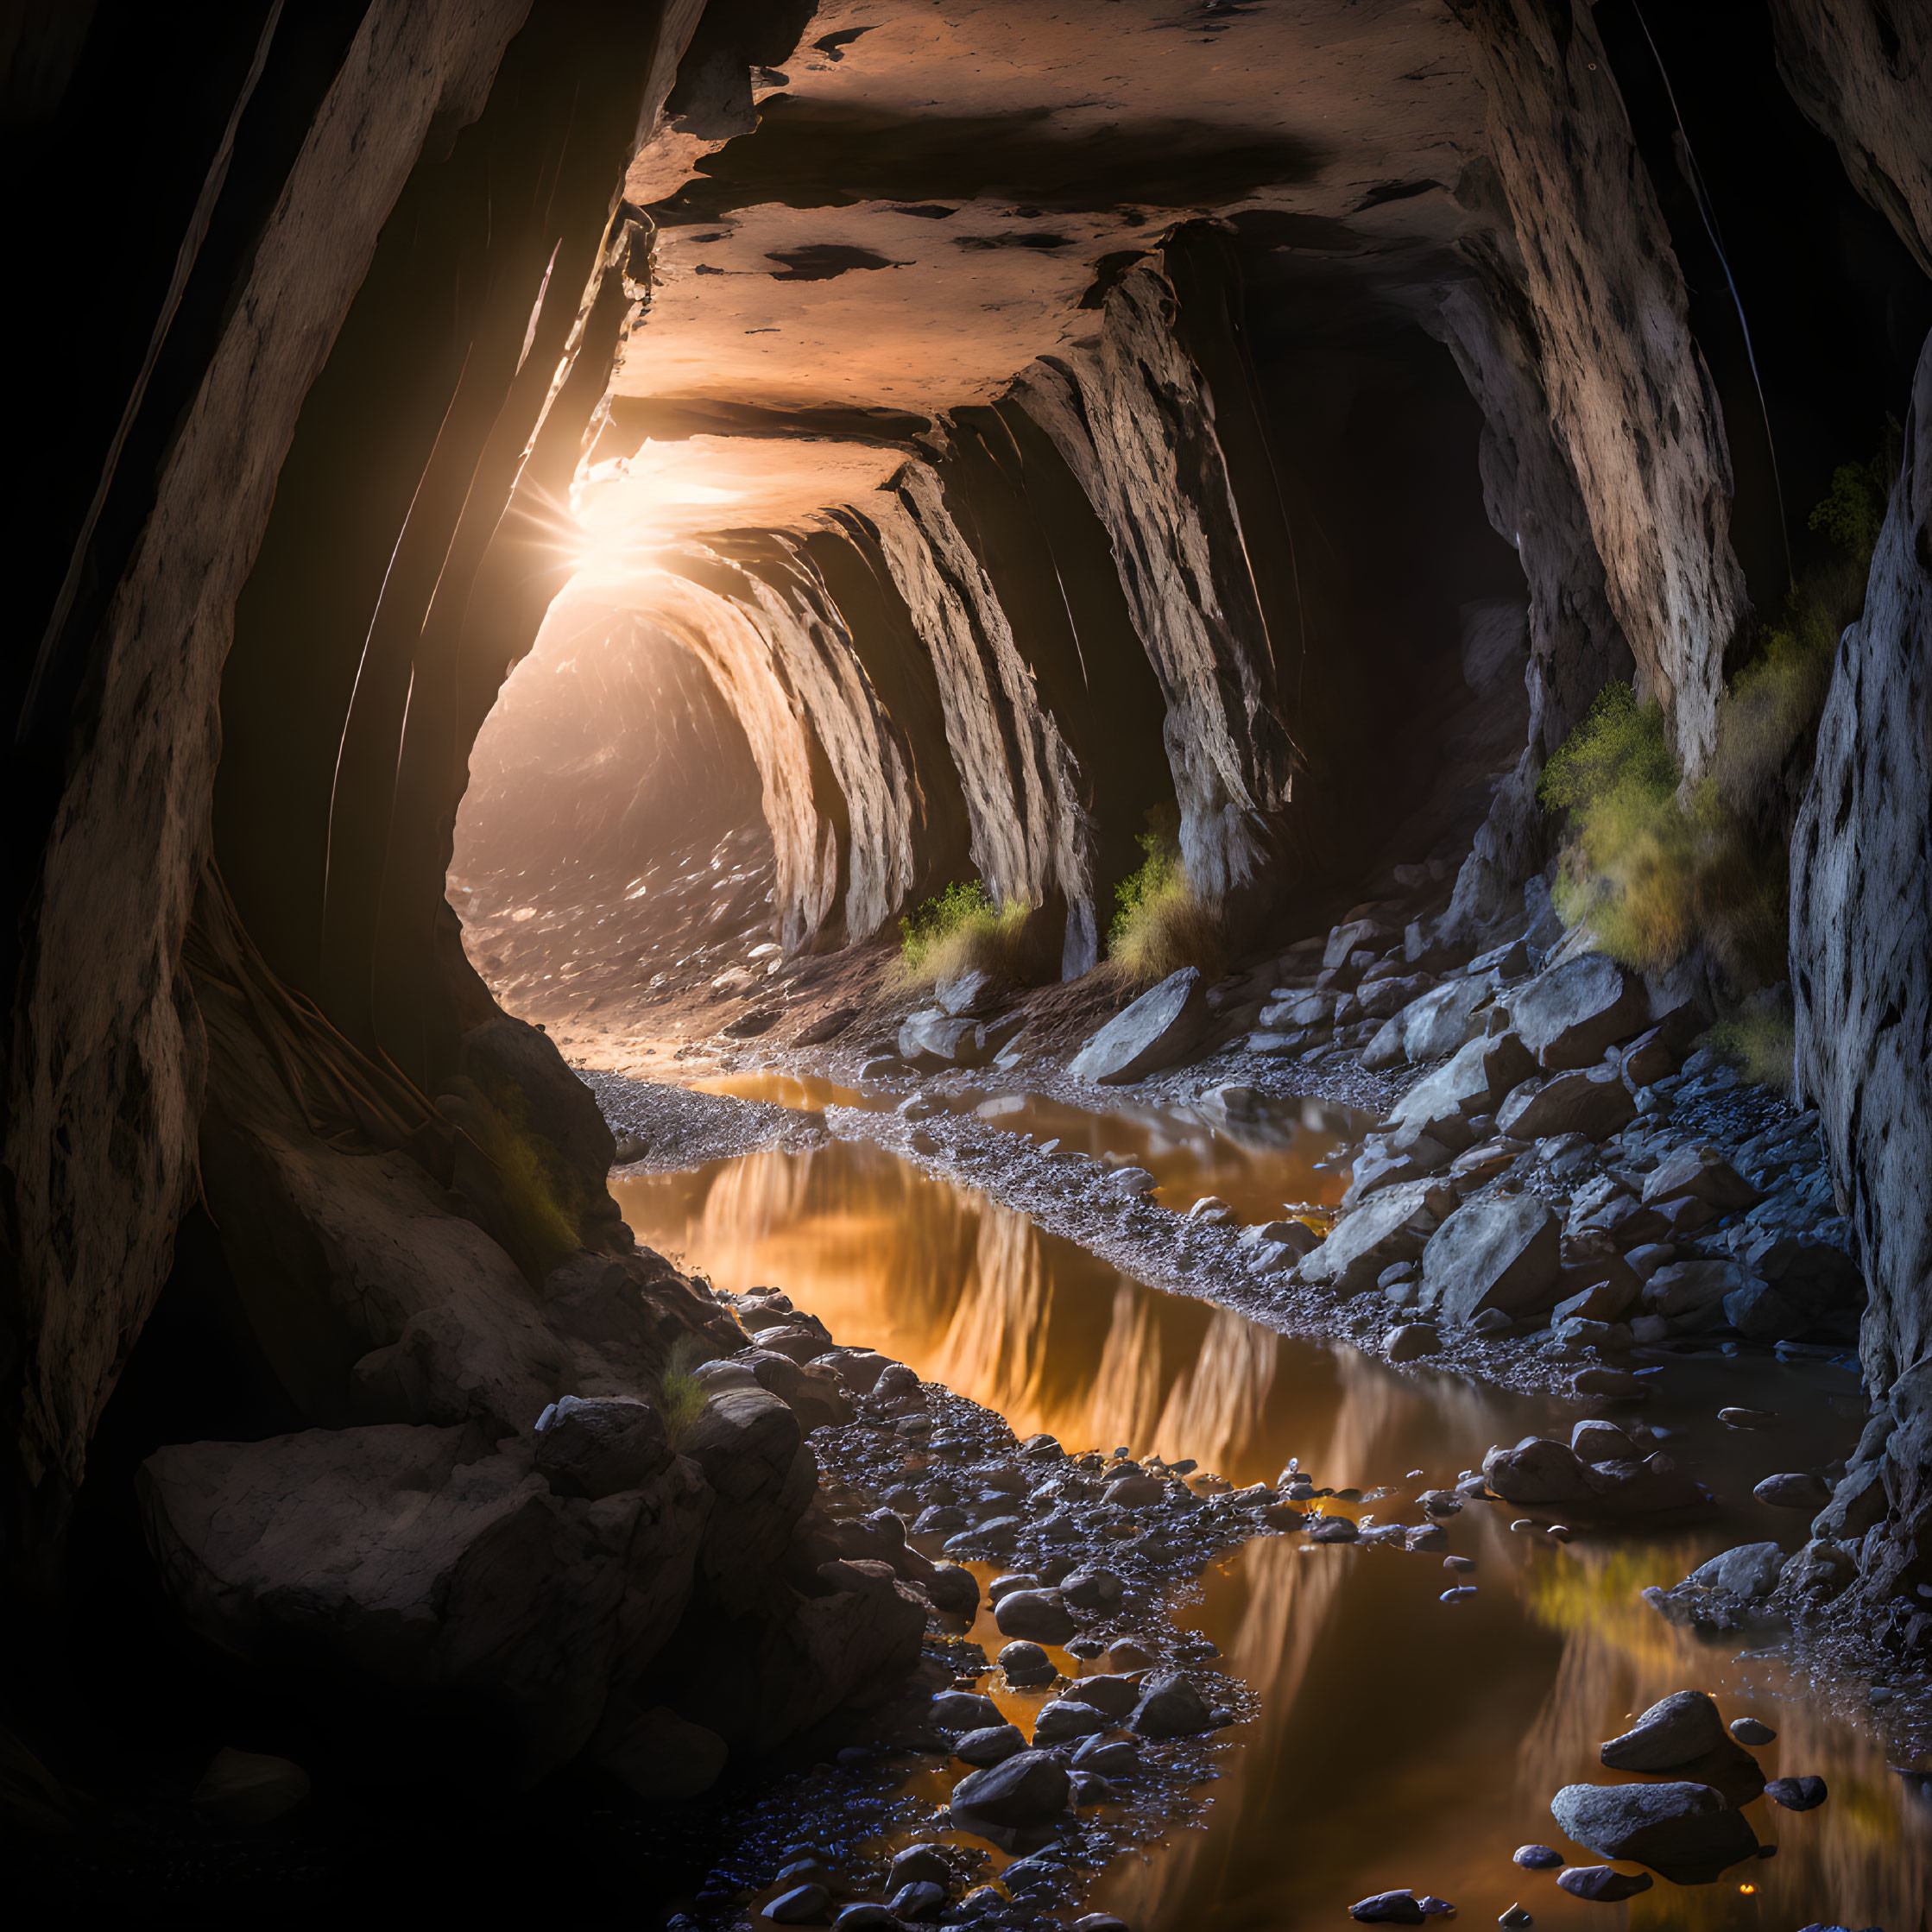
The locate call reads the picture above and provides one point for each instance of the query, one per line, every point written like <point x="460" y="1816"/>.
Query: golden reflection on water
<point x="1399" y="1742"/>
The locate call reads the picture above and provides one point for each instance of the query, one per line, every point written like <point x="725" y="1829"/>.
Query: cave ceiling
<point x="912" y="205"/>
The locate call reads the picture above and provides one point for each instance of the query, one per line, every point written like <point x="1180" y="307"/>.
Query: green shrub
<point x="1762" y="1046"/>
<point x="1656" y="872"/>
<point x="962" y="927"/>
<point x="1159" y="924"/>
<point x="1651" y="873"/>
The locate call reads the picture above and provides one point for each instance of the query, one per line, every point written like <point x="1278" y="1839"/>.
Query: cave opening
<point x="909" y="908"/>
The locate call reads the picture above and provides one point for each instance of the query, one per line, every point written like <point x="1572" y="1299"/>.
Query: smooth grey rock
<point x="1411" y="1342"/>
<point x="1164" y="1024"/>
<point x="1568" y="1015"/>
<point x="1114" y="1695"/>
<point x="1536" y="1471"/>
<point x="1751" y="1732"/>
<point x="1500" y="1252"/>
<point x="1064" y="1719"/>
<point x="1029" y="1789"/>
<point x="953" y="1589"/>
<point x="1685" y="1831"/>
<point x="1388" y="1908"/>
<point x="964" y="1710"/>
<point x="1794" y="1489"/>
<point x="1170" y="1707"/>
<point x="1697" y="1173"/>
<point x="922" y="1900"/>
<point x="1601" y="1441"/>
<point x="1590" y="1101"/>
<point x="802" y="1905"/>
<point x="1091" y="1589"/>
<point x="1643" y="1488"/>
<point x="1798" y="1793"/>
<point x="1536" y="1857"/>
<point x="1390" y="1226"/>
<point x="1040" y="1616"/>
<point x="992" y="1746"/>
<point x="1442" y="1021"/>
<point x="1025" y="1664"/>
<point x="919" y="1864"/>
<point x="1603" y="1884"/>
<point x="1672" y="1731"/>
<point x="1750" y="1571"/>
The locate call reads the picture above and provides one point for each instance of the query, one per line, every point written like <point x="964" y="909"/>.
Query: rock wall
<point x="1629" y="399"/>
<point x="105" y="1056"/>
<point x="1861" y="852"/>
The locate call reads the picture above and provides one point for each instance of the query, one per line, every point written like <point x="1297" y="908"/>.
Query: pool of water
<point x="1400" y="1741"/>
<point x="1274" y="1152"/>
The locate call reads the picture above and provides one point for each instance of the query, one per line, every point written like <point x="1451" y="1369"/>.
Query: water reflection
<point x="1400" y="1741"/>
<point x="1259" y="1155"/>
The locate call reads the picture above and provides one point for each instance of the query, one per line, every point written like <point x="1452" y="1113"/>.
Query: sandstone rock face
<point x="1500" y="1252"/>
<point x="409" y="1557"/>
<point x="1632" y="403"/>
<point x="1163" y="1026"/>
<point x="1861" y="950"/>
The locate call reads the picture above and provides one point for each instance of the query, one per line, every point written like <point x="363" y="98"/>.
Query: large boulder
<point x="1570" y="1013"/>
<point x="413" y="1561"/>
<point x="1031" y="1787"/>
<point x="1670" y="1732"/>
<point x="1592" y="1101"/>
<point x="1692" y="1172"/>
<point x="1686" y="1831"/>
<point x="1391" y="1226"/>
<point x="1750" y="1571"/>
<point x="1443" y="1019"/>
<point x="933" y="1039"/>
<point x="752" y="1452"/>
<point x="1536" y="1470"/>
<point x="600" y="1446"/>
<point x="1164" y="1024"/>
<point x="1503" y="1252"/>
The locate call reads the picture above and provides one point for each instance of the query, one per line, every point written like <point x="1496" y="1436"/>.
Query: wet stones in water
<point x="1536" y="1471"/>
<point x="1671" y="1732"/>
<point x="1092" y="1590"/>
<point x="1388" y="1908"/>
<point x="1026" y="1664"/>
<point x="1108" y="1757"/>
<point x="1603" y="1883"/>
<point x="918" y="1864"/>
<point x="1004" y="1586"/>
<point x="954" y="1589"/>
<point x="1685" y="1831"/>
<point x="917" y="1902"/>
<point x="1040" y="1615"/>
<point x="993" y="1745"/>
<point x="1129" y="1654"/>
<point x="1750" y="1571"/>
<point x="1170" y="1707"/>
<point x="1459" y="1563"/>
<point x="1100" y="1921"/>
<point x="942" y="1519"/>
<point x="1516" y="1917"/>
<point x="802" y="1905"/>
<point x="1794" y="1489"/>
<point x="1536" y="1857"/>
<point x="1463" y="1593"/>
<point x="1426" y="1540"/>
<point x="1065" y="1719"/>
<point x="1750" y="1731"/>
<point x="1085" y="1648"/>
<point x="863" y="1918"/>
<point x="1748" y="1418"/>
<point x="1796" y="1794"/>
<point x="1114" y="1695"/>
<point x="965" y="1710"/>
<point x="1333" y="1529"/>
<point x="1028" y="1789"/>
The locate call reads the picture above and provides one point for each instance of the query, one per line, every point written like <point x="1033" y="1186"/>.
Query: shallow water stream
<point x="1401" y="1741"/>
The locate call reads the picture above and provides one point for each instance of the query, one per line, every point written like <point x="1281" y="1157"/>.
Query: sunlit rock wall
<point x="1629" y="399"/>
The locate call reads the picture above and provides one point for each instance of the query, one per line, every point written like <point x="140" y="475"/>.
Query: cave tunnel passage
<point x="610" y="848"/>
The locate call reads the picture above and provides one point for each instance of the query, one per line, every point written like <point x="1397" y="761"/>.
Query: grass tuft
<point x="960" y="929"/>
<point x="1160" y="924"/>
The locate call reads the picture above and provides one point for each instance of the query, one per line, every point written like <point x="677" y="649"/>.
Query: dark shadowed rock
<point x="1796" y="1794"/>
<point x="993" y="1745"/>
<point x="1029" y="1789"/>
<point x="250" y="1788"/>
<point x="1794" y="1489"/>
<point x="964" y="1710"/>
<point x="1536" y="1857"/>
<point x="1062" y="1720"/>
<point x="1388" y="1908"/>
<point x="1685" y="1831"/>
<point x="1170" y="1707"/>
<point x="1040" y="1616"/>
<point x="954" y="1589"/>
<point x="1165" y="1024"/>
<point x="1750" y="1571"/>
<point x="1501" y="1253"/>
<point x="1115" y="1695"/>
<point x="802" y="1905"/>
<point x="1590" y="1101"/>
<point x="1603" y="1883"/>
<point x="600" y="1447"/>
<point x="1697" y="1173"/>
<point x="1751" y="1732"/>
<point x="1536" y="1471"/>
